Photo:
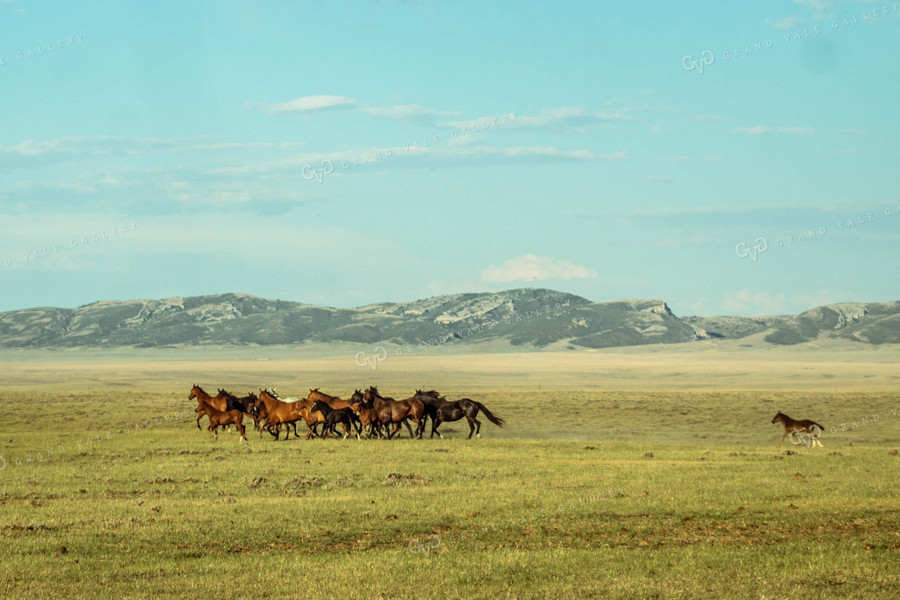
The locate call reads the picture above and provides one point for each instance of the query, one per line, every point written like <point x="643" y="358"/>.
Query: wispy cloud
<point x="407" y="111"/>
<point x="711" y="118"/>
<point x="792" y="22"/>
<point x="312" y="103"/>
<point x="447" y="155"/>
<point x="566" y="118"/>
<point x="767" y="129"/>
<point x="533" y="268"/>
<point x="102" y="145"/>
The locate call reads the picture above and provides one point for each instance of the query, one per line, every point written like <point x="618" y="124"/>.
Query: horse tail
<point x="817" y="425"/>
<point x="491" y="416"/>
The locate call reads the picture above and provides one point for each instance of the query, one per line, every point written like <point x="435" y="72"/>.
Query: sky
<point x="728" y="158"/>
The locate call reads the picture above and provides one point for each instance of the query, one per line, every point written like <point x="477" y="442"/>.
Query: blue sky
<point x="730" y="158"/>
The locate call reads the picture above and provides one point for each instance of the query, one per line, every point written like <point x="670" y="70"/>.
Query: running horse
<point x="440" y="410"/>
<point x="219" y="417"/>
<point x="219" y="402"/>
<point x="396" y="412"/>
<point x="246" y="404"/>
<point x="792" y="427"/>
<point x="366" y="413"/>
<point x="278" y="413"/>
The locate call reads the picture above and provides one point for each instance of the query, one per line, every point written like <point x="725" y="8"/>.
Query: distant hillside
<point x="872" y="323"/>
<point x="523" y="317"/>
<point x="534" y="317"/>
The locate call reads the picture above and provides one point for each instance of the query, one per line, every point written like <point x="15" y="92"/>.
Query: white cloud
<point x="312" y="103"/>
<point x="568" y="118"/>
<point x="792" y="22"/>
<point x="531" y="268"/>
<point x="406" y="111"/>
<point x="766" y="129"/>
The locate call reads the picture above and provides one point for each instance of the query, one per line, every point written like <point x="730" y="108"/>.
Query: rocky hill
<point x="534" y="317"/>
<point x="523" y="317"/>
<point x="869" y="323"/>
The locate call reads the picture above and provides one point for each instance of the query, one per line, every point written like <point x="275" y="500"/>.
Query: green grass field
<point x="604" y="483"/>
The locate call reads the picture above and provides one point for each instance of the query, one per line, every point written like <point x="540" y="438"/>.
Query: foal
<point x="218" y="417"/>
<point x="345" y="416"/>
<point x="792" y="426"/>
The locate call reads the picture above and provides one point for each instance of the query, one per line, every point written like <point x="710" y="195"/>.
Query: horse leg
<point x="240" y="428"/>
<point x="477" y="428"/>
<point x="420" y="427"/>
<point x="408" y="428"/>
<point x="212" y="428"/>
<point x="786" y="432"/>
<point x="294" y="425"/>
<point x="471" y="427"/>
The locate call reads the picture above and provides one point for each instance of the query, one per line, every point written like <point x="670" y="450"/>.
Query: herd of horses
<point x="378" y="416"/>
<point x="365" y="413"/>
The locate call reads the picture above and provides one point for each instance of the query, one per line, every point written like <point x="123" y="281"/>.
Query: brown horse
<point x="440" y="410"/>
<point x="396" y="411"/>
<point x="278" y="412"/>
<point x="314" y="418"/>
<point x="218" y="417"/>
<point x="246" y="404"/>
<point x="219" y="402"/>
<point x="368" y="416"/>
<point x="792" y="427"/>
<point x="332" y="401"/>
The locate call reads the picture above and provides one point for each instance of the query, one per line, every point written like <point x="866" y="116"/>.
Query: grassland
<point x="608" y="480"/>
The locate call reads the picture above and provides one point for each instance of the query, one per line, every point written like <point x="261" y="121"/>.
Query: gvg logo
<point x="417" y="547"/>
<point x="380" y="354"/>
<point x="327" y="168"/>
<point x="691" y="64"/>
<point x="760" y="245"/>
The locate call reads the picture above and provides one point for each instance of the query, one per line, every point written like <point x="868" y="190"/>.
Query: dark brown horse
<point x="440" y="410"/>
<point x="246" y="404"/>
<point x="395" y="412"/>
<point x="792" y="427"/>
<point x="217" y="417"/>
<point x="313" y="418"/>
<point x="278" y="413"/>
<point x="345" y="417"/>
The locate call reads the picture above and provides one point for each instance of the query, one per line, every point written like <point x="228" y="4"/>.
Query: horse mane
<point x="228" y="394"/>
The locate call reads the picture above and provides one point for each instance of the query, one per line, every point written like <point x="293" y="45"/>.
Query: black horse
<point x="245" y="404"/>
<point x="335" y="416"/>
<point x="440" y="409"/>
